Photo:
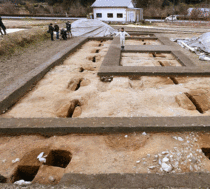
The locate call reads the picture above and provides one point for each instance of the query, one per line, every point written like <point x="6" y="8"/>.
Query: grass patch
<point x="14" y="41"/>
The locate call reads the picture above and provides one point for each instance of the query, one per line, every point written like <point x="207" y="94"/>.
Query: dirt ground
<point x="28" y="23"/>
<point x="115" y="153"/>
<point x="73" y="89"/>
<point x="23" y="61"/>
<point x="142" y="42"/>
<point x="149" y="59"/>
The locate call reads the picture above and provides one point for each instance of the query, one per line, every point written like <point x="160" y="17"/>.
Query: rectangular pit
<point x="142" y="35"/>
<point x="142" y="42"/>
<point x="149" y="59"/>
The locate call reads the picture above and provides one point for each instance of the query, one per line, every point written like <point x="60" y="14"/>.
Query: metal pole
<point x="173" y="10"/>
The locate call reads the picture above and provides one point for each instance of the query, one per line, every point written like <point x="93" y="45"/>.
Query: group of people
<point x="64" y="32"/>
<point x="2" y="27"/>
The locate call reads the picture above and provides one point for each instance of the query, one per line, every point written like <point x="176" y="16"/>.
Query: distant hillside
<point x="152" y="8"/>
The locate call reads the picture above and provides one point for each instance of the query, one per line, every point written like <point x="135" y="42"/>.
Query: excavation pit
<point x="64" y="92"/>
<point x="58" y="158"/>
<point x="81" y="69"/>
<point x="26" y="173"/>
<point x="107" y="154"/>
<point x="142" y="42"/>
<point x="206" y="151"/>
<point x="167" y="96"/>
<point x="143" y="96"/>
<point x="74" y="109"/>
<point x="142" y="35"/>
<point x="149" y="59"/>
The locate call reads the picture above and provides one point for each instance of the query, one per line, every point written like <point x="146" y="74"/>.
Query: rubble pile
<point x="188" y="158"/>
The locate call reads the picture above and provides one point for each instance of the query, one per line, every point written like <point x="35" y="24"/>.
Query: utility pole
<point x="173" y="10"/>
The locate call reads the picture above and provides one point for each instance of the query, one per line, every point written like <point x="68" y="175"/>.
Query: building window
<point x="119" y="15"/>
<point x="98" y="15"/>
<point x="110" y="15"/>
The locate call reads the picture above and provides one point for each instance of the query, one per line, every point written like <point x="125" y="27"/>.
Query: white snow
<point x="13" y="30"/>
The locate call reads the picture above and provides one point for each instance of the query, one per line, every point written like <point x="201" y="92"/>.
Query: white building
<point x="116" y="11"/>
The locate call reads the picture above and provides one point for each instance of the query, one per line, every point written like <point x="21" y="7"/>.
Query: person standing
<point x="1" y="31"/>
<point x="51" y="29"/>
<point x="68" y="28"/>
<point x="122" y="34"/>
<point x="2" y="26"/>
<point x="56" y="28"/>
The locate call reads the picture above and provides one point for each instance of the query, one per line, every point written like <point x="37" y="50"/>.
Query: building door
<point x="131" y="16"/>
<point x="138" y="17"/>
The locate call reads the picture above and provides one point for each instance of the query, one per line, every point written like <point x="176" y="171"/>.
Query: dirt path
<point x="23" y="61"/>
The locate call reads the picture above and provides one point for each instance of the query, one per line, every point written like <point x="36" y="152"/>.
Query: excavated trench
<point x="142" y="42"/>
<point x="142" y="35"/>
<point x="148" y="59"/>
<point x="73" y="89"/>
<point x="96" y="154"/>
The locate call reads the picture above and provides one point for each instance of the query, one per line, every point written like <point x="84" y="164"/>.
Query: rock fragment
<point x="180" y="139"/>
<point x="16" y="160"/>
<point x="166" y="167"/>
<point x="51" y="179"/>
<point x="22" y="183"/>
<point x="144" y="133"/>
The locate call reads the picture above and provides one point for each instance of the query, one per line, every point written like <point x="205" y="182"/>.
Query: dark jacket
<point x="1" y="24"/>
<point x="56" y="27"/>
<point x="68" y="26"/>
<point x="51" y="29"/>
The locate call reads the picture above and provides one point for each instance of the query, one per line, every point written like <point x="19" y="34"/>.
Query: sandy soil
<point x="148" y="59"/>
<point x="67" y="92"/>
<point x="117" y="153"/>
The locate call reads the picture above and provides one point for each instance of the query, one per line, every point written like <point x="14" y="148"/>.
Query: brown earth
<point x="115" y="153"/>
<point x="142" y="42"/>
<point x="149" y="59"/>
<point x="68" y="91"/>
